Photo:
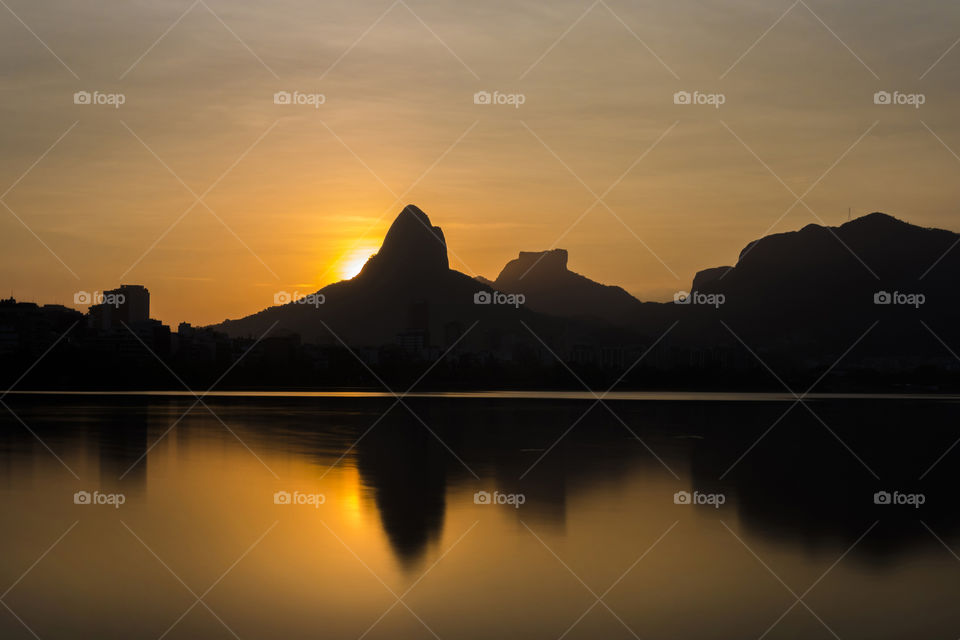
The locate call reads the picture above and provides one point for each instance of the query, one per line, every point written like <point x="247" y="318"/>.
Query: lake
<point x="454" y="516"/>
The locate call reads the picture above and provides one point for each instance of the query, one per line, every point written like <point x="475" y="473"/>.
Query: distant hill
<point x="550" y="287"/>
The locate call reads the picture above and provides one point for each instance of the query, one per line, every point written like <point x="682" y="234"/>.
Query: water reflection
<point x="406" y="468"/>
<point x="810" y="481"/>
<point x="121" y="439"/>
<point x="400" y="491"/>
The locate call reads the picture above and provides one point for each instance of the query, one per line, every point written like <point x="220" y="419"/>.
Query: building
<point x="136" y="303"/>
<point x="129" y="304"/>
<point x="33" y="328"/>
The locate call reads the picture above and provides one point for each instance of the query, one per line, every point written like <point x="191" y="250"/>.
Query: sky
<point x="203" y="188"/>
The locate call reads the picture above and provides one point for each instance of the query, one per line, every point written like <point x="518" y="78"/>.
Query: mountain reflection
<point x="810" y="481"/>
<point x="406" y="468"/>
<point x="804" y="484"/>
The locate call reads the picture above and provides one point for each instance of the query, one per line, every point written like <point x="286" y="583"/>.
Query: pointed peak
<point x="415" y="211"/>
<point x="412" y="245"/>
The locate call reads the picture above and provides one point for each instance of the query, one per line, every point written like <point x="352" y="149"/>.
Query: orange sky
<point x="292" y="195"/>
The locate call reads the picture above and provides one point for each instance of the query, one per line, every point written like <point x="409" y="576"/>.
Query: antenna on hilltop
<point x="849" y="209"/>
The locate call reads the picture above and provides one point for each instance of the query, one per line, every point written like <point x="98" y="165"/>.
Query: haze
<point x="203" y="189"/>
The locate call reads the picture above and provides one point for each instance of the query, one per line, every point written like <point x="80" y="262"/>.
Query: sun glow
<point x="352" y="261"/>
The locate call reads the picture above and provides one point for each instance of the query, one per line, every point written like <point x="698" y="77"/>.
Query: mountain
<point x="813" y="290"/>
<point x="874" y="249"/>
<point x="801" y="298"/>
<point x="412" y="248"/>
<point x="876" y="295"/>
<point x="407" y="294"/>
<point x="550" y="287"/>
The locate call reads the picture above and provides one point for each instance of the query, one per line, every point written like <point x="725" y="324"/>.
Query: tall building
<point x="129" y="304"/>
<point x="135" y="305"/>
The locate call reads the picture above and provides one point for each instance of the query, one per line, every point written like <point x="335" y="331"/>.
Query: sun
<point x="352" y="261"/>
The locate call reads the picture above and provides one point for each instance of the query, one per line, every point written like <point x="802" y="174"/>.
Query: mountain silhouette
<point x="801" y="297"/>
<point x="406" y="289"/>
<point x="412" y="248"/>
<point x="550" y="287"/>
<point x="876" y="248"/>
<point x="815" y="288"/>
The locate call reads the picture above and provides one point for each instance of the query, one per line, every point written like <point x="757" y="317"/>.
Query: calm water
<point x="390" y="541"/>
